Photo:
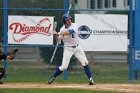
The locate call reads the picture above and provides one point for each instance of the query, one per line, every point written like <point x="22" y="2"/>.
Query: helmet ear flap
<point x="64" y="22"/>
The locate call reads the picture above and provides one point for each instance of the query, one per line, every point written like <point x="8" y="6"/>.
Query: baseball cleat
<point x="91" y="82"/>
<point x="51" y="80"/>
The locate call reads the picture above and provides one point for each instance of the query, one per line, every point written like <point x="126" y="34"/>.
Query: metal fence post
<point x="65" y="11"/>
<point x="137" y="38"/>
<point x="65" y="6"/>
<point x="5" y="29"/>
<point x="130" y="38"/>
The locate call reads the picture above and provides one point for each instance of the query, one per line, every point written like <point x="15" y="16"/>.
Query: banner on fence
<point x="102" y="32"/>
<point x="30" y="30"/>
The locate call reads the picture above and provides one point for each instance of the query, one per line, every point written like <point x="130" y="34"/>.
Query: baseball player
<point x="8" y="56"/>
<point x="69" y="35"/>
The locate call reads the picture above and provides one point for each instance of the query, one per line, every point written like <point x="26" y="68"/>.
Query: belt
<point x="74" y="46"/>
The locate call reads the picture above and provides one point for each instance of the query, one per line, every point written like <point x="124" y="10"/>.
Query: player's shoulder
<point x="73" y="24"/>
<point x="62" y="28"/>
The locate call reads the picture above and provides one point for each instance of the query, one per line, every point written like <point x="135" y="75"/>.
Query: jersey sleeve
<point x="73" y="28"/>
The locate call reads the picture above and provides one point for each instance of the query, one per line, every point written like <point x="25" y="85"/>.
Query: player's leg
<point x="65" y="62"/>
<point x="80" y="55"/>
<point x="2" y="73"/>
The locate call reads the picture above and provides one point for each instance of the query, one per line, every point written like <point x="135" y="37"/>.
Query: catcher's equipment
<point x="2" y="72"/>
<point x="14" y="51"/>
<point x="12" y="54"/>
<point x="1" y="52"/>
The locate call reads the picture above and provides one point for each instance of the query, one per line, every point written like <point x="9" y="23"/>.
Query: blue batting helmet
<point x="66" y="17"/>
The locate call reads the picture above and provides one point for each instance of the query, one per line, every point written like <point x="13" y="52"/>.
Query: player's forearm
<point x="66" y="32"/>
<point x="58" y="40"/>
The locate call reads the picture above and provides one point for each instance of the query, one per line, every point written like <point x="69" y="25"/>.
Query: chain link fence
<point x="32" y="63"/>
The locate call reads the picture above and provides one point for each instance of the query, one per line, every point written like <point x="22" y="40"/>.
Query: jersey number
<point x="73" y="36"/>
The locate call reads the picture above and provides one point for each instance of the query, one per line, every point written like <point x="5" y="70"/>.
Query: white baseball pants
<point x="67" y="54"/>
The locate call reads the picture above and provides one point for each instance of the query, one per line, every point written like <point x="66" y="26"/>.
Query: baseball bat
<point x="69" y="8"/>
<point x="54" y="28"/>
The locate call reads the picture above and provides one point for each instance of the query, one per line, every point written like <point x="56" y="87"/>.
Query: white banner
<point x="102" y="32"/>
<point x="30" y="30"/>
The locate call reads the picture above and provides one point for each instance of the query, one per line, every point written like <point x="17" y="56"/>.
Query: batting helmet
<point x="66" y="17"/>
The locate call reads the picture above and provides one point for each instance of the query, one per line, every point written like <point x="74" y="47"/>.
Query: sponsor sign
<point x="30" y="30"/>
<point x="102" y="32"/>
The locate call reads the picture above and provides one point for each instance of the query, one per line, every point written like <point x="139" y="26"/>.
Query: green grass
<point x="60" y="90"/>
<point x="29" y="72"/>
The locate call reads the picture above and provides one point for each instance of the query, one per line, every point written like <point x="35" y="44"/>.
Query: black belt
<point x="74" y="46"/>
